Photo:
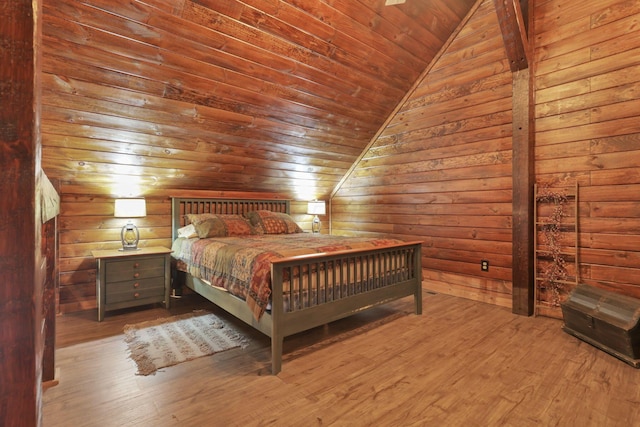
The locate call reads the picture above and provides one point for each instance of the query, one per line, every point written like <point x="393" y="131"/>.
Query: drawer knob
<point x="136" y="275"/>
<point x="136" y="265"/>
<point x="136" y="295"/>
<point x="136" y="285"/>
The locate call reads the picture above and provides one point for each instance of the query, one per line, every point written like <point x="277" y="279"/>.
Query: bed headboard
<point x="182" y="206"/>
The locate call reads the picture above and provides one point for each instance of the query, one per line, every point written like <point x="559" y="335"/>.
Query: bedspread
<point x="242" y="265"/>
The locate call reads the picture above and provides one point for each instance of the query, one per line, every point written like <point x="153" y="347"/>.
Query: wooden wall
<point x="253" y="95"/>
<point x="441" y="170"/>
<point x="588" y="129"/>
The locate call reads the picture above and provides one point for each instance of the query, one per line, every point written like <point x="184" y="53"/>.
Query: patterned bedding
<point x="242" y="265"/>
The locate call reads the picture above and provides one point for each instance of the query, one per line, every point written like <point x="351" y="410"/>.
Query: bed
<point x="302" y="287"/>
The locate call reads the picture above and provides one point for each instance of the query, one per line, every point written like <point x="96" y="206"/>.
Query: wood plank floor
<point x="460" y="363"/>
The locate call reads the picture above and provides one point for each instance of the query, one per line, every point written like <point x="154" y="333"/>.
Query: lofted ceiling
<point x="142" y="97"/>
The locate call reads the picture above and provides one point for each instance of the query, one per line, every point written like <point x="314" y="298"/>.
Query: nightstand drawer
<point x="134" y="285"/>
<point x="118" y="271"/>
<point x="126" y="291"/>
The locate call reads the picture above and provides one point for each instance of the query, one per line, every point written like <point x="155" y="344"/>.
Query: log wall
<point x="253" y="95"/>
<point x="587" y="106"/>
<point x="441" y="170"/>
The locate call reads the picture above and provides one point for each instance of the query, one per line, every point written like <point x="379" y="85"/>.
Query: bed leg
<point x="418" y="299"/>
<point x="178" y="279"/>
<point x="276" y="354"/>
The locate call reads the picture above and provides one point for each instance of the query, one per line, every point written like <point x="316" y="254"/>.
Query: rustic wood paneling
<point x="148" y="98"/>
<point x="145" y="98"/>
<point x="587" y="77"/>
<point x="236" y="95"/>
<point x="441" y="170"/>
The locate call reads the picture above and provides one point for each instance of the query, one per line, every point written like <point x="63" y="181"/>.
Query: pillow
<point x="223" y="226"/>
<point x="187" y="231"/>
<point x="196" y="219"/>
<point x="273" y="222"/>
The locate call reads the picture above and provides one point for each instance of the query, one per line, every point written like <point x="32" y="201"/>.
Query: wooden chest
<point x="605" y="320"/>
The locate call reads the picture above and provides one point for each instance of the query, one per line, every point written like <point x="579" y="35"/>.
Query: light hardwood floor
<point x="461" y="363"/>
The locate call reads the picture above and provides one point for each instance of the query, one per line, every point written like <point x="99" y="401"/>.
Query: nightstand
<point x="132" y="278"/>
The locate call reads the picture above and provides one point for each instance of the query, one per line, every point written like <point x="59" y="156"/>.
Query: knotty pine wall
<point x="440" y="171"/>
<point x="588" y="130"/>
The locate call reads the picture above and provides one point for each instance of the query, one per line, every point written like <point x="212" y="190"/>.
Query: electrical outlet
<point x="484" y="265"/>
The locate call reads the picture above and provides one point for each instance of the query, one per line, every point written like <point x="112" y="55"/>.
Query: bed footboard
<point x="309" y="291"/>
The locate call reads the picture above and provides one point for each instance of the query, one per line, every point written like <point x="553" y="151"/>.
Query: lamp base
<point x="130" y="236"/>
<point x="316" y="225"/>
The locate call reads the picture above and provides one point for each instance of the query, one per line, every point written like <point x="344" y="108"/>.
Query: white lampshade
<point x="130" y="208"/>
<point x="317" y="207"/>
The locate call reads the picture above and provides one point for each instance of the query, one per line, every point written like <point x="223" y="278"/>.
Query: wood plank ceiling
<point x="142" y="97"/>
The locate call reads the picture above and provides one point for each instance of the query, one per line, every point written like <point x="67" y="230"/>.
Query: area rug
<point x="168" y="341"/>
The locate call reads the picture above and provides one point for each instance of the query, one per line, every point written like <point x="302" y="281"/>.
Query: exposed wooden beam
<point x="522" y="203"/>
<point x="514" y="32"/>
<point x="524" y="8"/>
<point x="21" y="260"/>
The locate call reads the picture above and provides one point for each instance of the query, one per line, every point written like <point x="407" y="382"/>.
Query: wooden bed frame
<point x="393" y="272"/>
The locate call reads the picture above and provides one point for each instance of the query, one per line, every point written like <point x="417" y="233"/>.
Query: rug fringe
<point x="237" y="337"/>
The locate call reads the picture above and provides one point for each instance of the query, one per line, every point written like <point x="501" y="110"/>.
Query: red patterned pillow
<point x="273" y="222"/>
<point x="223" y="226"/>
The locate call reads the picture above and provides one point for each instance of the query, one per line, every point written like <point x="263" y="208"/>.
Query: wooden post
<point x="21" y="317"/>
<point x="514" y="33"/>
<point x="518" y="49"/>
<point x="522" y="203"/>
